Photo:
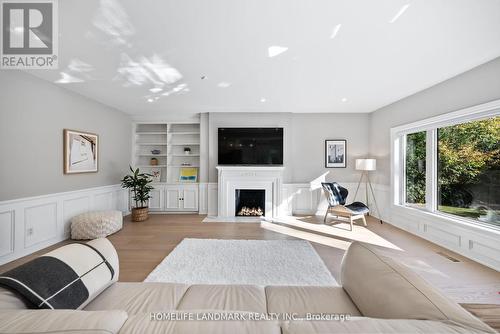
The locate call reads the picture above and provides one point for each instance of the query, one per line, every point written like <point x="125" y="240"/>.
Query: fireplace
<point x="264" y="178"/>
<point x="250" y="202"/>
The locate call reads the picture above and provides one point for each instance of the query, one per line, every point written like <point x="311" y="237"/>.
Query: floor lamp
<point x="366" y="166"/>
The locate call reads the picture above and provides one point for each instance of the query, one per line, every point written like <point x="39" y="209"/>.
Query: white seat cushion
<point x="138" y="298"/>
<point x="248" y="298"/>
<point x="96" y="224"/>
<point x="61" y="321"/>
<point x="302" y="300"/>
<point x="143" y="323"/>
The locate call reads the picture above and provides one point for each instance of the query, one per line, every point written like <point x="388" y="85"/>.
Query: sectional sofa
<point x="378" y="295"/>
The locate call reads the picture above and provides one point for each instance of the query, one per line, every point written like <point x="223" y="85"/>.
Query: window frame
<point x="398" y="159"/>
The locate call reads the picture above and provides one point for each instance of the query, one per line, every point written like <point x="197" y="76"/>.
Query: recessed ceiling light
<point x="335" y="31"/>
<point x="223" y="84"/>
<point x="344" y="99"/>
<point x="263" y="100"/>
<point x="401" y="11"/>
<point x="155" y="90"/>
<point x="275" y="50"/>
<point x="150" y="100"/>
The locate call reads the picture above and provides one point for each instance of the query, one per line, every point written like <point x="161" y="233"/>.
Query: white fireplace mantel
<point x="232" y="178"/>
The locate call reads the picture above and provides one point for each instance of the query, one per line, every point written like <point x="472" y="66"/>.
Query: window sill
<point x="450" y="219"/>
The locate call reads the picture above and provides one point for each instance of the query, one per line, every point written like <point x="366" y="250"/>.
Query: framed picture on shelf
<point x="156" y="174"/>
<point x="335" y="153"/>
<point x="188" y="174"/>
<point x="81" y="152"/>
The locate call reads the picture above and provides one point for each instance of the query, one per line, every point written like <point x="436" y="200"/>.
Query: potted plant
<point x="140" y="186"/>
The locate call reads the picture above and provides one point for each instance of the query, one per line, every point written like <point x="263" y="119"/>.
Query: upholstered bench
<point x="96" y="224"/>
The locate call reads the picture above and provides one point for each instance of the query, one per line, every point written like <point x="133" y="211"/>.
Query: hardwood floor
<point x="142" y="246"/>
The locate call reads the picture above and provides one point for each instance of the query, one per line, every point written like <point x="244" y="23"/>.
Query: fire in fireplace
<point x="250" y="202"/>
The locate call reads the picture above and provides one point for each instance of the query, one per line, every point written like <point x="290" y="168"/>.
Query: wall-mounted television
<point x="250" y="146"/>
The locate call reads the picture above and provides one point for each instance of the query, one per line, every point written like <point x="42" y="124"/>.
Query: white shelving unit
<point x="171" y="139"/>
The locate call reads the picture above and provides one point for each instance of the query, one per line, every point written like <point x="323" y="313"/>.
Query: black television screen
<point x="250" y="146"/>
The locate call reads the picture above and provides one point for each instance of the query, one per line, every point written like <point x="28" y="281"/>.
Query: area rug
<point x="256" y="262"/>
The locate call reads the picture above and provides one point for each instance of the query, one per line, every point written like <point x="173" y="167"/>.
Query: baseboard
<point x="33" y="223"/>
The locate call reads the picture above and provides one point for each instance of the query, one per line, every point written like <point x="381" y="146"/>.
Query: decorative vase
<point x="187" y="151"/>
<point x="140" y="214"/>
<point x="153" y="162"/>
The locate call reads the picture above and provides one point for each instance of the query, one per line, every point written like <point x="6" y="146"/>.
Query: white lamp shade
<point x="366" y="164"/>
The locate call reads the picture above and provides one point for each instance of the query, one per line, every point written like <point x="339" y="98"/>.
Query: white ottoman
<point x="96" y="224"/>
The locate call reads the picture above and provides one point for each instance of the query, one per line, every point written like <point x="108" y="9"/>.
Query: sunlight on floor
<point x="340" y="244"/>
<point x="340" y="230"/>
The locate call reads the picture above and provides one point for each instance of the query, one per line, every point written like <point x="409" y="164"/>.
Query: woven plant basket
<point x="140" y="214"/>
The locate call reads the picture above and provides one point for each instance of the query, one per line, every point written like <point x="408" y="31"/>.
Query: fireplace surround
<point x="264" y="178"/>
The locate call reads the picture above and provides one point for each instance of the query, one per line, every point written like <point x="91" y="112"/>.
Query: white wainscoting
<point x="296" y="198"/>
<point x="475" y="242"/>
<point x="30" y="224"/>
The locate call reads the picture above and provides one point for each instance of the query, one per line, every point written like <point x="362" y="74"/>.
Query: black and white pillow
<point x="66" y="278"/>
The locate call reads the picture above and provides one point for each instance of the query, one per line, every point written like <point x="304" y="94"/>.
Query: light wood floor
<point x="142" y="246"/>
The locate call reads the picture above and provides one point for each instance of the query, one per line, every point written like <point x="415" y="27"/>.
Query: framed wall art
<point x="81" y="152"/>
<point x="335" y="153"/>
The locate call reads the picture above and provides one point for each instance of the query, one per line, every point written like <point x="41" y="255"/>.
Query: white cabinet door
<point x="173" y="195"/>
<point x="156" y="200"/>
<point x="190" y="198"/>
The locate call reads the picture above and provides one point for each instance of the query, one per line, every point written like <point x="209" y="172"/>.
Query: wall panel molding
<point x="7" y="232"/>
<point x="30" y="224"/>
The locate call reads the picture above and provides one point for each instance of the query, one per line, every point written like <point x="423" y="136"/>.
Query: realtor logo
<point x="29" y="34"/>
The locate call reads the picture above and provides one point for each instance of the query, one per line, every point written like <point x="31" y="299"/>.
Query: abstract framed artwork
<point x="81" y="152"/>
<point x="335" y="153"/>
<point x="189" y="174"/>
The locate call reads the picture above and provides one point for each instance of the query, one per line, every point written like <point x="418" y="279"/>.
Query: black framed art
<point x="335" y="153"/>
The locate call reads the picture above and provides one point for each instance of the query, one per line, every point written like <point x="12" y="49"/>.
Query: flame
<point x="246" y="211"/>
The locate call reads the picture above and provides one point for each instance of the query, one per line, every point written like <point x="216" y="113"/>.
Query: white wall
<point x="305" y="136"/>
<point x="479" y="85"/>
<point x="33" y="114"/>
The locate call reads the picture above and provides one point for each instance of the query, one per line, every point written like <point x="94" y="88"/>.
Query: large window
<point x="453" y="168"/>
<point x="469" y="170"/>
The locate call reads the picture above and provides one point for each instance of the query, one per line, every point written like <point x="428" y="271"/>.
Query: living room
<point x="287" y="167"/>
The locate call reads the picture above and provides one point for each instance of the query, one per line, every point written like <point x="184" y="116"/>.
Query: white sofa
<point x="378" y="294"/>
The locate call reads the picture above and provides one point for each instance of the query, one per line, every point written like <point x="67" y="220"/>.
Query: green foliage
<point x="140" y="185"/>
<point x="467" y="154"/>
<point x="415" y="168"/>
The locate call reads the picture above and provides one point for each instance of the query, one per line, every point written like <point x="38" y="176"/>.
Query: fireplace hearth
<point x="250" y="202"/>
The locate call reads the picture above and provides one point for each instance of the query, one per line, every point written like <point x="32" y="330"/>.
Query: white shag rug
<point x="255" y="262"/>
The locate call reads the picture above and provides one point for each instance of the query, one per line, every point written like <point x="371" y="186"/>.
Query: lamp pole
<point x="365" y="165"/>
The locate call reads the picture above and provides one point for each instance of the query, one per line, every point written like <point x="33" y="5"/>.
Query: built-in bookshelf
<point x="166" y="143"/>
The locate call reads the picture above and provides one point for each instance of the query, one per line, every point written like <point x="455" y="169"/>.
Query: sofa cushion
<point x="377" y="326"/>
<point x="224" y="297"/>
<point x="61" y="321"/>
<point x="136" y="298"/>
<point x="302" y="300"/>
<point x="66" y="278"/>
<point x="143" y="324"/>
<point x="383" y="288"/>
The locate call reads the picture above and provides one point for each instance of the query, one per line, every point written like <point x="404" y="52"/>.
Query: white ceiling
<point x="147" y="57"/>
